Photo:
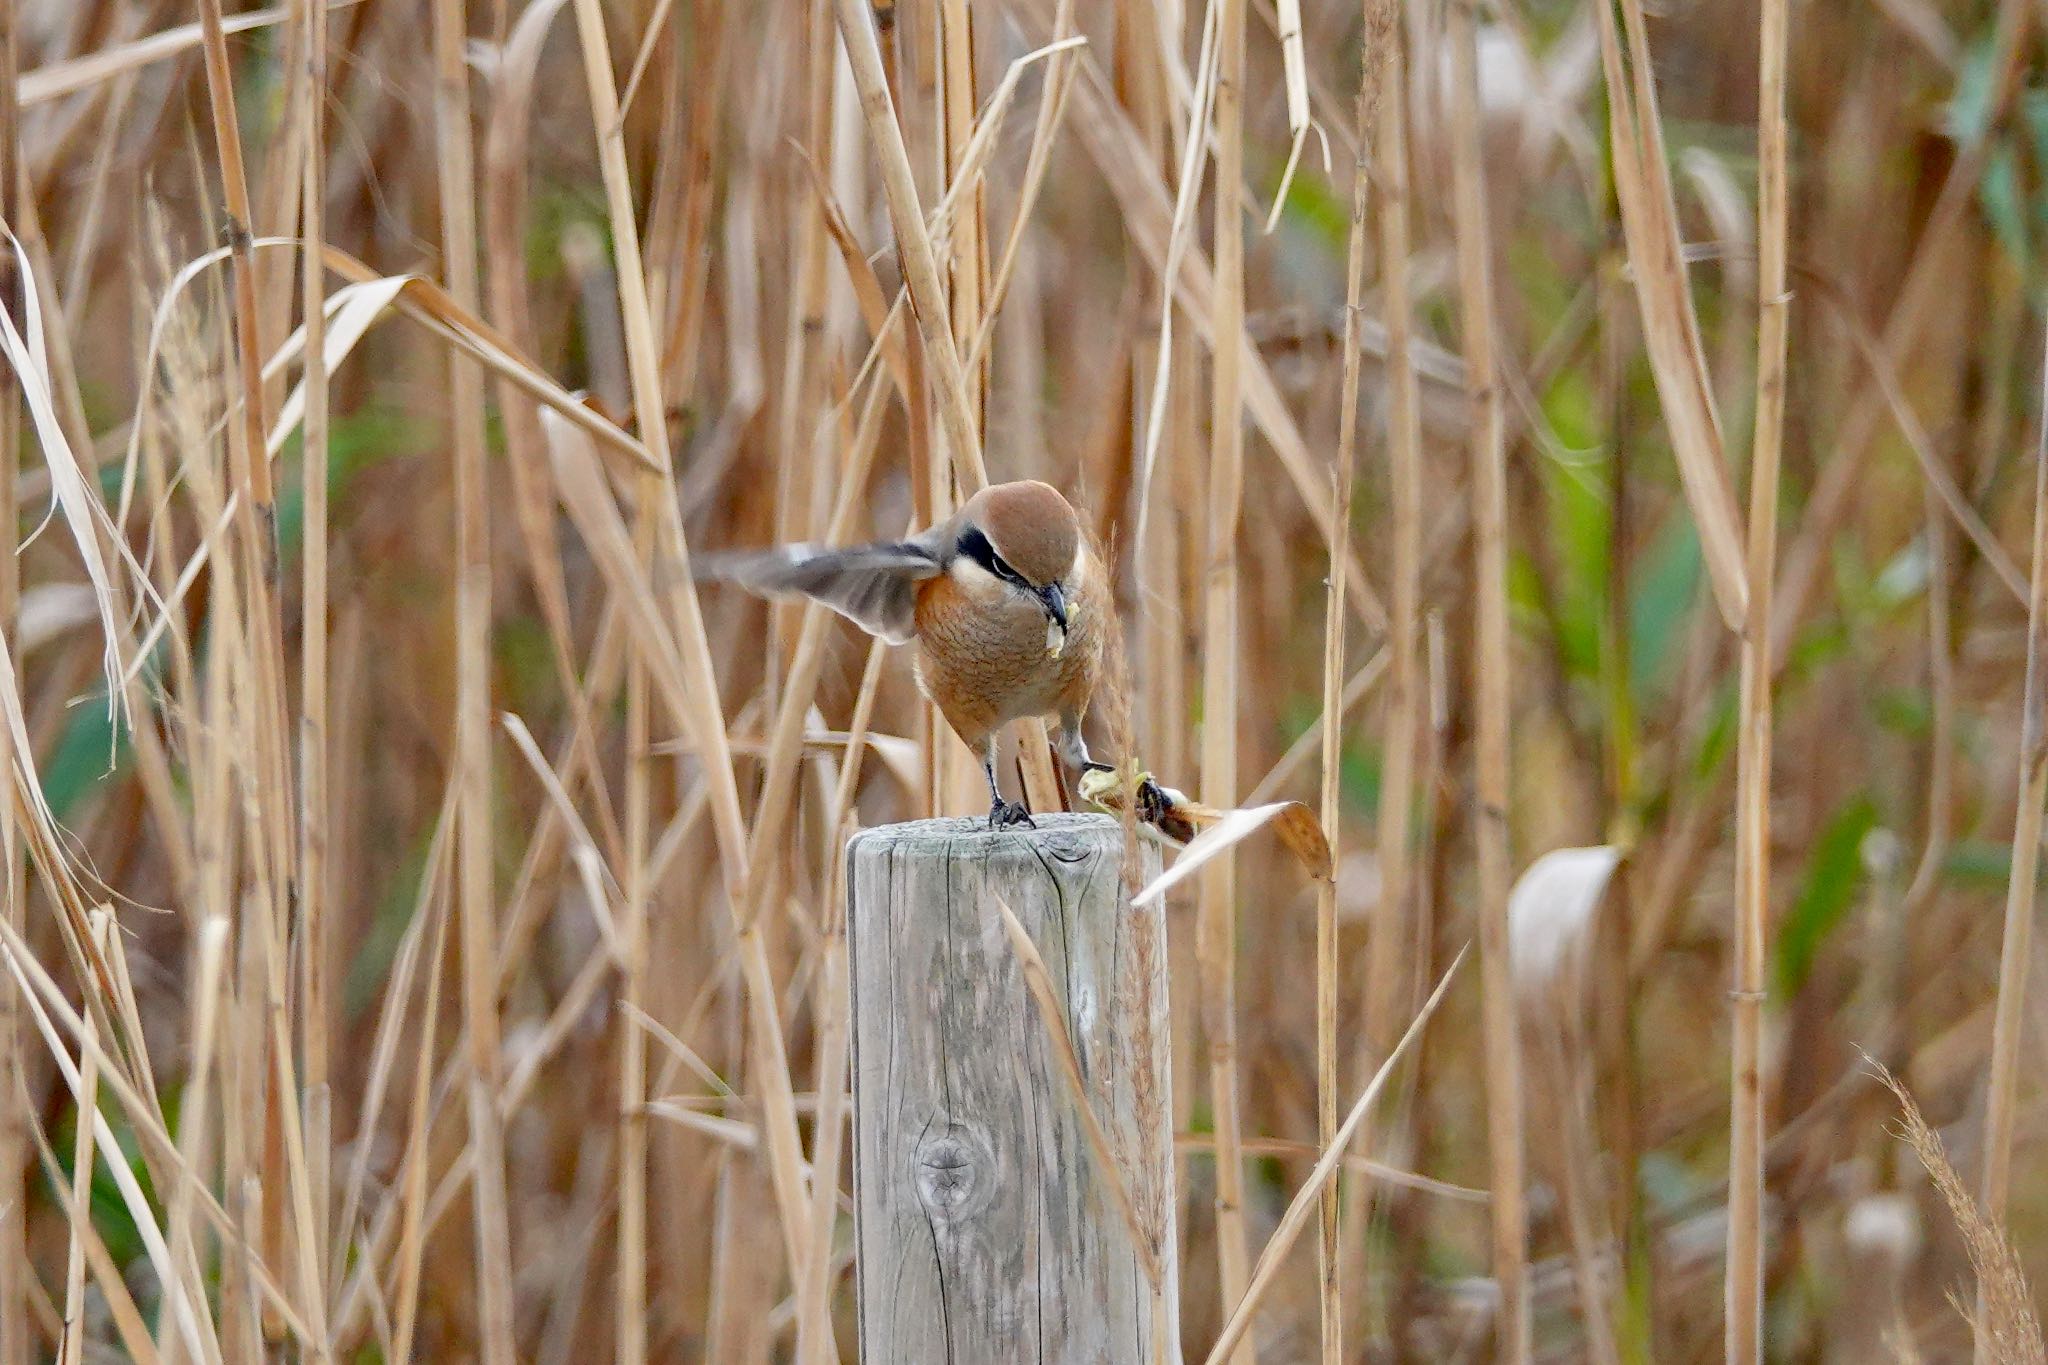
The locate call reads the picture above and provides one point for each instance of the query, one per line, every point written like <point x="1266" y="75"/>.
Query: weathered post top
<point x="984" y="1228"/>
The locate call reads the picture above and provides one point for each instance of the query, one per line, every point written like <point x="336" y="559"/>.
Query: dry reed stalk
<point x="409" y="1199"/>
<point x="1829" y="500"/>
<point x="629" y="1319"/>
<point x="1671" y="334"/>
<point x="1287" y="23"/>
<point x="256" y="514"/>
<point x="57" y="79"/>
<point x="2015" y="955"/>
<point x="1745" y="1283"/>
<point x="1492" y="666"/>
<point x="71" y="1351"/>
<point x="48" y="1009"/>
<point x="427" y="909"/>
<point x="701" y="717"/>
<point x="1052" y="104"/>
<point x="778" y="789"/>
<point x="1216" y="942"/>
<point x="1330" y="726"/>
<point x="313" y="929"/>
<point x="475" y="903"/>
<point x="806" y="335"/>
<point x="1105" y="131"/>
<point x="131" y="1332"/>
<point x="1388" y="971"/>
<point x="1178" y="231"/>
<point x="914" y="243"/>
<point x="1378" y="1170"/>
<point x="816" y="1343"/>
<point x="1274" y="1254"/>
<point x="252" y="622"/>
<point x="16" y="1340"/>
<point x="967" y="239"/>
<point x="208" y="957"/>
<point x="307" y="1240"/>
<point x="506" y="224"/>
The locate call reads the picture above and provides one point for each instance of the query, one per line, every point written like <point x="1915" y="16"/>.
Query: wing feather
<point x="874" y="586"/>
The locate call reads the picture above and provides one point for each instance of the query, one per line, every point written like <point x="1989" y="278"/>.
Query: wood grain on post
<point x="984" y="1228"/>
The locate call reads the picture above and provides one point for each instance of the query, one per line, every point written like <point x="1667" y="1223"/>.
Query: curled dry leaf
<point x="1293" y="822"/>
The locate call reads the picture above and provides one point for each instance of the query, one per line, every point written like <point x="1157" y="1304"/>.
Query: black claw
<point x="1009" y="815"/>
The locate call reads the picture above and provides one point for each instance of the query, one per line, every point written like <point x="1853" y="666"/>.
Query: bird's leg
<point x="1001" y="814"/>
<point x="1074" y="749"/>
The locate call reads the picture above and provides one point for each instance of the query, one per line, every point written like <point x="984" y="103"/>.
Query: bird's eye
<point x="975" y="546"/>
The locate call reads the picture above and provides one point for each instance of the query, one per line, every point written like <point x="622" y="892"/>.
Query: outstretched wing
<point x="874" y="586"/>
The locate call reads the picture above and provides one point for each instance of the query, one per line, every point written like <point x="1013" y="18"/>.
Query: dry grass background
<point x="433" y="908"/>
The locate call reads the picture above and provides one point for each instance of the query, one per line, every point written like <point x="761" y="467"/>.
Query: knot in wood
<point x="952" y="1174"/>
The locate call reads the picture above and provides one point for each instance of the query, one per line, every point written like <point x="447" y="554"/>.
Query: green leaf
<point x="1833" y="873"/>
<point x="1982" y="863"/>
<point x="1664" y="594"/>
<point x="1314" y="205"/>
<point x="88" y="753"/>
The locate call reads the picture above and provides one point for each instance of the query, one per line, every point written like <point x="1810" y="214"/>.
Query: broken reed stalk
<point x="475" y="902"/>
<point x="1329" y="1267"/>
<point x="2015" y="954"/>
<point x="1491" y="667"/>
<point x="1216" y="946"/>
<point x="1745" y="1286"/>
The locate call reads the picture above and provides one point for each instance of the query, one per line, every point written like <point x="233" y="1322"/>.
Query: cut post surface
<point x="985" y="1229"/>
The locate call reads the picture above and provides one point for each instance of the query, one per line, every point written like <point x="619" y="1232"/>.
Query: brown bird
<point x="1005" y="603"/>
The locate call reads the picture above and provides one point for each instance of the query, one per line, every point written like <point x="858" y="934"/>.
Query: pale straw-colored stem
<point x="1216" y="946"/>
<point x="2015" y="956"/>
<point x="1492" y="692"/>
<point x="314" y="944"/>
<point x="475" y="903"/>
<point x="1745" y="1285"/>
<point x="1331" y="725"/>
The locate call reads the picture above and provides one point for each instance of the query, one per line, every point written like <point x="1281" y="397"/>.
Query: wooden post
<point x="984" y="1226"/>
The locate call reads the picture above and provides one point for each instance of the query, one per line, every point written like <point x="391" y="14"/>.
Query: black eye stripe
<point x="975" y="546"/>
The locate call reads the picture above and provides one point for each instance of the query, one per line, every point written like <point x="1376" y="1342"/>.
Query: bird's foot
<point x="1010" y="815"/>
<point x="1163" y="808"/>
<point x="1153" y="802"/>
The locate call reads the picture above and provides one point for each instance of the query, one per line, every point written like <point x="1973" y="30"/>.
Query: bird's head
<point x="1026" y="536"/>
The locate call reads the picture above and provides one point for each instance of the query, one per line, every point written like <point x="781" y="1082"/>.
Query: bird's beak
<point x="1055" y="604"/>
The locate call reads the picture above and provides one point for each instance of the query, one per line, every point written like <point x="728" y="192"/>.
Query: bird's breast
<point x="983" y="657"/>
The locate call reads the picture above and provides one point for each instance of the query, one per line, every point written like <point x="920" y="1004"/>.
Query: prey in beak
<point x="1055" y="603"/>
